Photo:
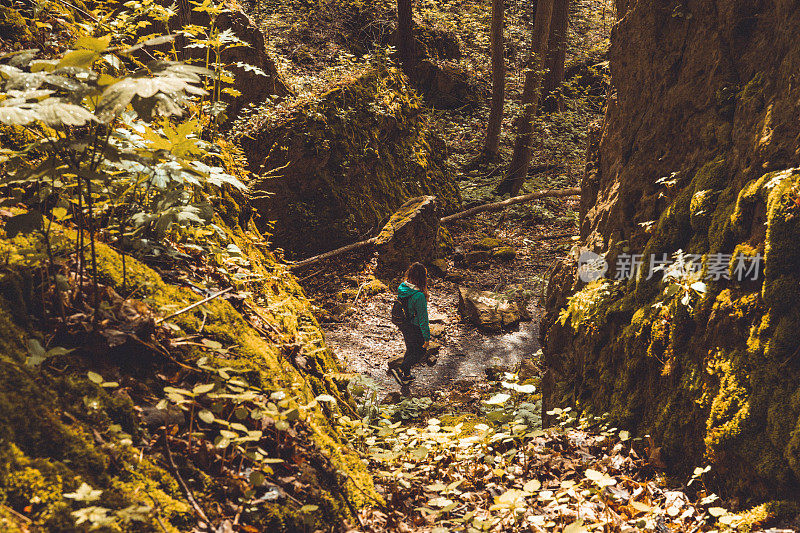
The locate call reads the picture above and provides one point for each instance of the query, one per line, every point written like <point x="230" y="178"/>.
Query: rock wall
<point x="59" y="430"/>
<point x="337" y="167"/>
<point x="696" y="153"/>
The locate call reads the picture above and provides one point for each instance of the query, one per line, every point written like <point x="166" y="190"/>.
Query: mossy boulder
<point x="410" y="235"/>
<point x="487" y="249"/>
<point x="337" y="167"/>
<point x="488" y="243"/>
<point x="504" y="253"/>
<point x="445" y="84"/>
<point x="374" y="286"/>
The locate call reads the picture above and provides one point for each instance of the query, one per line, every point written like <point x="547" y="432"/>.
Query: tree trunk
<point x="556" y="56"/>
<point x="498" y="82"/>
<point x="521" y="160"/>
<point x="405" y="31"/>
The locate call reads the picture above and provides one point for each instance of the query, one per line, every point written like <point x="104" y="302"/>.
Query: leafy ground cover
<point x="479" y="459"/>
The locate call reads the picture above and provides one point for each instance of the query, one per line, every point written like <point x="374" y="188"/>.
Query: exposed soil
<point x="364" y="338"/>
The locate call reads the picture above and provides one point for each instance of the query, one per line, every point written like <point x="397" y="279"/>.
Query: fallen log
<point x="496" y="206"/>
<point x="499" y="206"/>
<point x="332" y="253"/>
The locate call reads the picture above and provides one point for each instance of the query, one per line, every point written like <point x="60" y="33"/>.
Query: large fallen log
<point x="498" y="206"/>
<point x="333" y="253"/>
<point x="495" y="206"/>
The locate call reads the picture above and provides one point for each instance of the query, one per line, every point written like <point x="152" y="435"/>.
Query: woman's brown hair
<point x="417" y="274"/>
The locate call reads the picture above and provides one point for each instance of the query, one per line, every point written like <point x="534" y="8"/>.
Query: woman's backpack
<point x="400" y="312"/>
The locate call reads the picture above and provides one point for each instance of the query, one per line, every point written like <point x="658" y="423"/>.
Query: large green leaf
<point x="54" y="113"/>
<point x="96" y="44"/>
<point x="118" y="96"/>
<point x="78" y="58"/>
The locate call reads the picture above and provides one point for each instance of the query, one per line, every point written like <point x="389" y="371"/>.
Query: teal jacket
<point x="417" y="307"/>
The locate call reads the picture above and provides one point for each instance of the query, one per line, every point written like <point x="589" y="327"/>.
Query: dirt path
<point x="368" y="340"/>
<point x="364" y="338"/>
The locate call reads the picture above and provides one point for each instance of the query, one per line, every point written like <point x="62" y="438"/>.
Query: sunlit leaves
<point x="600" y="479"/>
<point x="78" y="58"/>
<point x="37" y="354"/>
<point x="152" y="41"/>
<point x="203" y="388"/>
<point x="96" y="516"/>
<point x="512" y="499"/>
<point x="440" y="501"/>
<point x="95" y="44"/>
<point x="325" y="398"/>
<point x="84" y="493"/>
<point x="532" y="486"/>
<point x="171" y="85"/>
<point x="698" y="473"/>
<point x="498" y="399"/>
<point x="55" y="113"/>
<point x="576" y="527"/>
<point x="250" y="68"/>
<point x="524" y="389"/>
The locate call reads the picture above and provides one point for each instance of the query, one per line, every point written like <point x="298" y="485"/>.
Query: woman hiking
<point x="413" y="295"/>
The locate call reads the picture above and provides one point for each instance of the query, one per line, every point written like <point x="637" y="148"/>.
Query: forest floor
<point x="364" y="338"/>
<point x="464" y="448"/>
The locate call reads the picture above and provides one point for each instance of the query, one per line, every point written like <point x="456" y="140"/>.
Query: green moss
<point x="374" y="286"/>
<point x="488" y="243"/>
<point x="44" y="454"/>
<point x="762" y="516"/>
<point x="42" y="457"/>
<point x="444" y="242"/>
<point x="701" y="209"/>
<point x="711" y="176"/>
<point x="716" y="383"/>
<point x="753" y="89"/>
<point x="15" y="137"/>
<point x="504" y="253"/>
<point x="588" y="307"/>
<point x="13" y="28"/>
<point x="349" y="160"/>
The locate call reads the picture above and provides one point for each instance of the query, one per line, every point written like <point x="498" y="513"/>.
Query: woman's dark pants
<point x="412" y="335"/>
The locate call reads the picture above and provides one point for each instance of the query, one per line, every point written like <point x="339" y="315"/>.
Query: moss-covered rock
<point x="57" y="431"/>
<point x="504" y="253"/>
<point x="488" y="243"/>
<point x="410" y="235"/>
<point x="13" y="27"/>
<point x="337" y="167"/>
<point x="705" y="363"/>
